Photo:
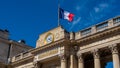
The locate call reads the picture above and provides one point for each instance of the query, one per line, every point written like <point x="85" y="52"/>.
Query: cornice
<point x="4" y="40"/>
<point x="56" y="43"/>
<point x="22" y="60"/>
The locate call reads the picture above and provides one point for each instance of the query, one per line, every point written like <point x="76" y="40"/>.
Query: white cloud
<point x="77" y="8"/>
<point x="97" y="9"/>
<point x="75" y="22"/>
<point x="100" y="7"/>
<point x="81" y="4"/>
<point x="103" y="5"/>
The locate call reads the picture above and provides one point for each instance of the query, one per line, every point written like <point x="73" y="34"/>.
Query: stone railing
<point x="21" y="56"/>
<point x="98" y="28"/>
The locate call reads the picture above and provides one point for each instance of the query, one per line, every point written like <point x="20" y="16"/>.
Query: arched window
<point x="109" y="65"/>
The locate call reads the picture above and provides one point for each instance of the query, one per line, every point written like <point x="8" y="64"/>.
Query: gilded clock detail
<point x="49" y="38"/>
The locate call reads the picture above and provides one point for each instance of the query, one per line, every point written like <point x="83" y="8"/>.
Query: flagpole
<point x="58" y="13"/>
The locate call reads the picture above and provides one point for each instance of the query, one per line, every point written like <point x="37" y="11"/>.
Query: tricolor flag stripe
<point x="61" y="13"/>
<point x="66" y="15"/>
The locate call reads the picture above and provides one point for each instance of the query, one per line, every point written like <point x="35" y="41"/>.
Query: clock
<point x="49" y="38"/>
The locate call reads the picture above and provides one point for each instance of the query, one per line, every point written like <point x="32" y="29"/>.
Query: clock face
<point x="49" y="38"/>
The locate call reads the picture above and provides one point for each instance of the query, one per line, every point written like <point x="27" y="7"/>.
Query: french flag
<point x="66" y="15"/>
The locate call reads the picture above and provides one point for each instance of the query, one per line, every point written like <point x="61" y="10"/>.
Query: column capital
<point x="36" y="64"/>
<point x="79" y="54"/>
<point x="113" y="49"/>
<point x="80" y="57"/>
<point x="62" y="57"/>
<point x="72" y="51"/>
<point x="95" y="53"/>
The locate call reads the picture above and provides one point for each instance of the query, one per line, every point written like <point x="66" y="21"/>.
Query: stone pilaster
<point x="96" y="59"/>
<point x="115" y="56"/>
<point x="80" y="60"/>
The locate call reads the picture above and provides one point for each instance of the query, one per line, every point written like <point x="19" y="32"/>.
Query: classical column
<point x="80" y="61"/>
<point x="36" y="64"/>
<point x="96" y="59"/>
<point x="63" y="62"/>
<point x="115" y="56"/>
<point x="73" y="60"/>
<point x="63" y="57"/>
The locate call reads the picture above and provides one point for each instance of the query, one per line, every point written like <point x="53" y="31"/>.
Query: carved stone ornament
<point x="62" y="57"/>
<point x="80" y="57"/>
<point x="72" y="51"/>
<point x="37" y="64"/>
<point x="95" y="54"/>
<point x="57" y="35"/>
<point x="61" y="52"/>
<point x="114" y="49"/>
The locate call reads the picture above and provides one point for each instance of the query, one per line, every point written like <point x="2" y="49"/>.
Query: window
<point x="116" y="20"/>
<point x="102" y="26"/>
<point x="86" y="32"/>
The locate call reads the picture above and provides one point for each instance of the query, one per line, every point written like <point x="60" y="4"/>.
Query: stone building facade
<point x="9" y="48"/>
<point x="93" y="47"/>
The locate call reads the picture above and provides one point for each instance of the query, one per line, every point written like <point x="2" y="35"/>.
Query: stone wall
<point x="3" y="52"/>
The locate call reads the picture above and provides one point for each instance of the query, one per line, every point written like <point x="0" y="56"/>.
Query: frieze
<point x="48" y="53"/>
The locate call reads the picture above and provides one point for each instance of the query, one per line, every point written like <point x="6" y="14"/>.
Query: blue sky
<point x="26" y="19"/>
<point x="109" y="65"/>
